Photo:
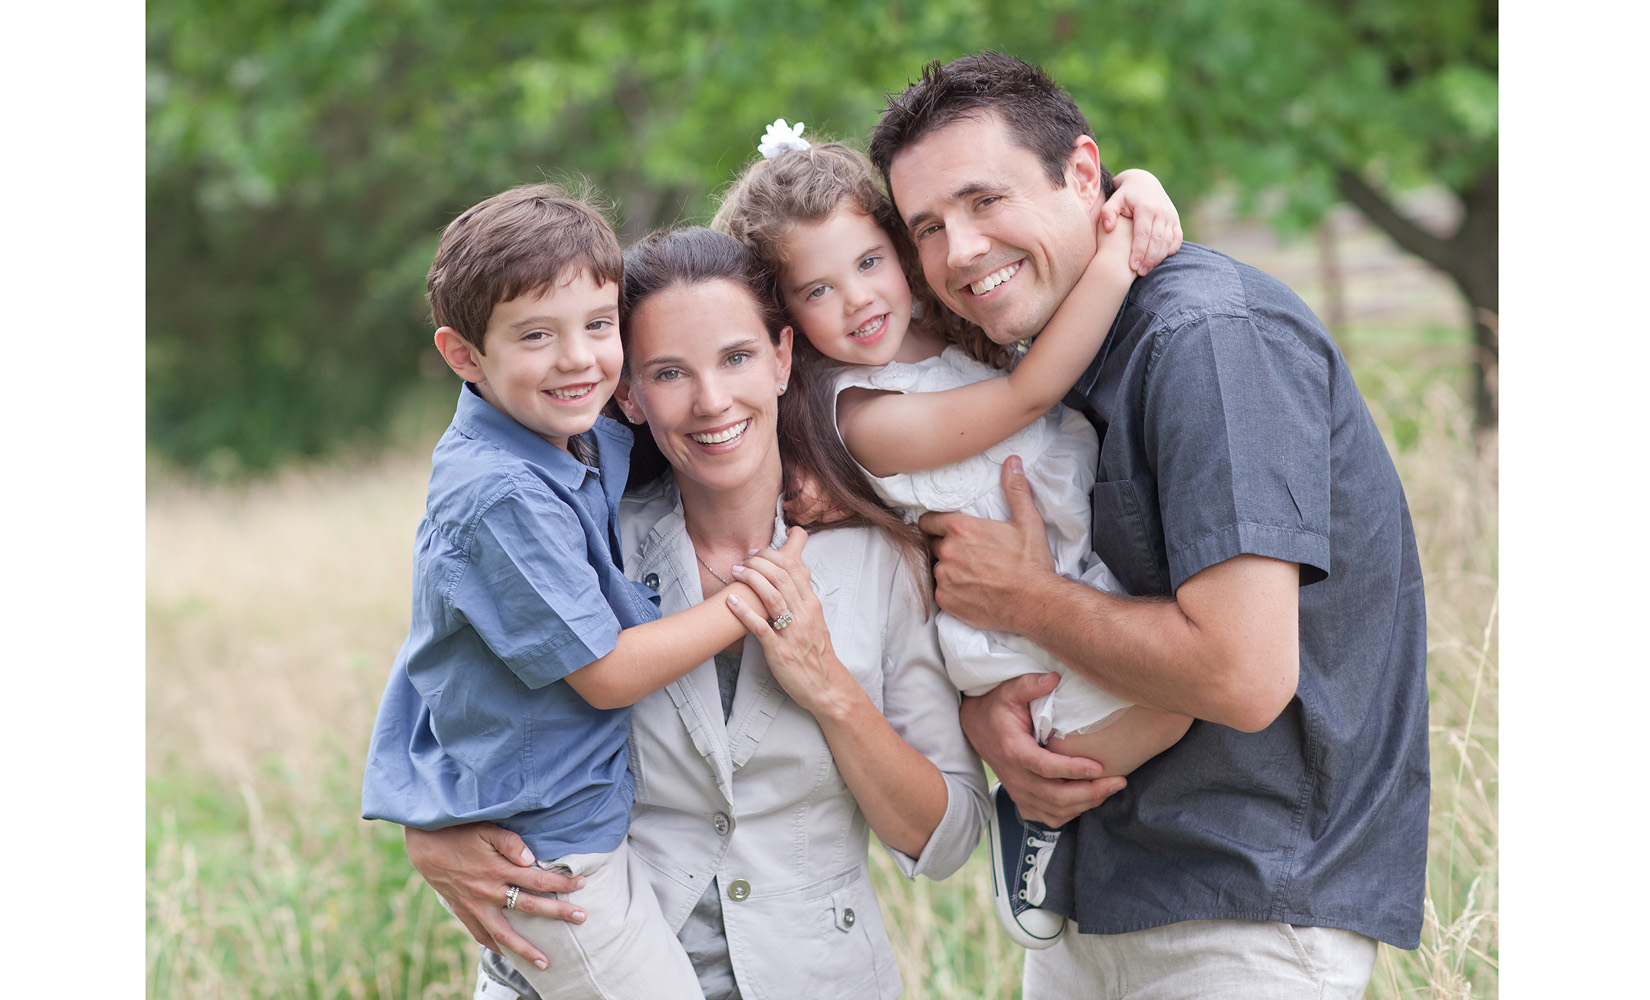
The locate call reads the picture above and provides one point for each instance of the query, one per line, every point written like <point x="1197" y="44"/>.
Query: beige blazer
<point x="756" y="804"/>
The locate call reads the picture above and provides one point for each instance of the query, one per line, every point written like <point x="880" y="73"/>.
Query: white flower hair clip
<point x="781" y="137"/>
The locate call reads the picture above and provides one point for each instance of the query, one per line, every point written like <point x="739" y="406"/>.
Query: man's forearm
<point x="1225" y="648"/>
<point x="1196" y="655"/>
<point x="1124" y="645"/>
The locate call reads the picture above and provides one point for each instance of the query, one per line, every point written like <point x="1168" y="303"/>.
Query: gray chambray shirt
<point x="1230" y="424"/>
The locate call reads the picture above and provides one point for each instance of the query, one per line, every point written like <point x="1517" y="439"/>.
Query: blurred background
<point x="302" y="159"/>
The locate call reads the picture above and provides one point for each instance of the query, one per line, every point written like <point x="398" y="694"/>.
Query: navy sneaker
<point x="1020" y="851"/>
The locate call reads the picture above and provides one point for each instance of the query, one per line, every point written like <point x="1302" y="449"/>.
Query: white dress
<point x="1060" y="452"/>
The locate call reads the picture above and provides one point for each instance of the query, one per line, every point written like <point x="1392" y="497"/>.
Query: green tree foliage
<point x="1320" y="100"/>
<point x="303" y="155"/>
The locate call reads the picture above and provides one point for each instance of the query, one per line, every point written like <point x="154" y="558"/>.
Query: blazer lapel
<point x="696" y="695"/>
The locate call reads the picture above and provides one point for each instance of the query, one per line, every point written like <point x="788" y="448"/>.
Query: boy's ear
<point x="459" y="355"/>
<point x="627" y="403"/>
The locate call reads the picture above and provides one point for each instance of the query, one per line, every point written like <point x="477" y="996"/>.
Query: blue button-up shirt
<point x="1230" y="424"/>
<point x="516" y="583"/>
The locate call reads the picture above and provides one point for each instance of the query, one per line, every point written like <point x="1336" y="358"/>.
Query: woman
<point x="758" y="776"/>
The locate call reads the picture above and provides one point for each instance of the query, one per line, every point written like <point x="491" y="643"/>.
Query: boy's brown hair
<point x="518" y="242"/>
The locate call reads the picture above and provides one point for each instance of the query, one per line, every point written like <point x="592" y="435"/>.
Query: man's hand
<point x="987" y="570"/>
<point x="1048" y="787"/>
<point x="473" y="866"/>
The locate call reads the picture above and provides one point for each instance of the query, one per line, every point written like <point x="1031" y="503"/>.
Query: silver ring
<point x="510" y="897"/>
<point x="783" y="621"/>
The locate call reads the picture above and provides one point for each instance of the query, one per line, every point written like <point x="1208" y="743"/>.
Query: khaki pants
<point x="624" y="950"/>
<point x="1230" y="959"/>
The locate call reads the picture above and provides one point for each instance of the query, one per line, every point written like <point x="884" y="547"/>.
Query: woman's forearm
<point x="901" y="792"/>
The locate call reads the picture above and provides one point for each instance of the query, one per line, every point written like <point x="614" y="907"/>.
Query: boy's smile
<point x="552" y="357"/>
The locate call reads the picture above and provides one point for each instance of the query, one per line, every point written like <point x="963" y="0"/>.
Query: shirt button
<point x="720" y="823"/>
<point x="651" y="580"/>
<point x="848" y="916"/>
<point x="740" y="889"/>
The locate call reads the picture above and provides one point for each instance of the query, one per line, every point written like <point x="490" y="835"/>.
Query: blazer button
<point x="740" y="889"/>
<point x="848" y="916"/>
<point x="651" y="580"/>
<point x="720" y="823"/>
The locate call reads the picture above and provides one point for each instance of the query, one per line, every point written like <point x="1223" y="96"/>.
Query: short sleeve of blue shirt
<point x="530" y="591"/>
<point x="1239" y="419"/>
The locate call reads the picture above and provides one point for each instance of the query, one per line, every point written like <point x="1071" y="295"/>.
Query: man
<point x="1246" y="500"/>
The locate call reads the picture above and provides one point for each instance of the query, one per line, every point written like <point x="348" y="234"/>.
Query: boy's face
<point x="552" y="359"/>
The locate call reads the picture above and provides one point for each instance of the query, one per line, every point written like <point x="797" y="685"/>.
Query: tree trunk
<point x="1470" y="257"/>
<point x="1479" y="280"/>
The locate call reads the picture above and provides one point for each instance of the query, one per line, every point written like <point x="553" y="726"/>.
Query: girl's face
<point x="844" y="287"/>
<point x="705" y="377"/>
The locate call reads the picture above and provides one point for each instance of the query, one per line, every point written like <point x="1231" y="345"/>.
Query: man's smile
<point x="995" y="278"/>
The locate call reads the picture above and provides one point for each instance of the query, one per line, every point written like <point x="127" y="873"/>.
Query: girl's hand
<point x="799" y="654"/>
<point x="473" y="867"/>
<point x="1141" y="197"/>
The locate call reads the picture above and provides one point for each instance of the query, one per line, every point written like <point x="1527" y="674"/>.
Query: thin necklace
<point x="719" y="577"/>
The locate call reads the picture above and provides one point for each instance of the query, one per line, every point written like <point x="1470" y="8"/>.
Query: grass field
<point x="274" y="610"/>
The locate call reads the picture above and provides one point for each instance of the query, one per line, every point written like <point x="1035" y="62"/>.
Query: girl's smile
<point x="845" y="288"/>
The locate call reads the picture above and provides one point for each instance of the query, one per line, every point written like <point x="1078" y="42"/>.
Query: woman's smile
<point x="706" y="376"/>
<point x="725" y="439"/>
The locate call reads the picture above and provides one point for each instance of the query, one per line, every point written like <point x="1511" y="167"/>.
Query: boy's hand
<point x="1141" y="197"/>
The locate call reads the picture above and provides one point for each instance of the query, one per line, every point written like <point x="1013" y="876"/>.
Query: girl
<point x="930" y="424"/>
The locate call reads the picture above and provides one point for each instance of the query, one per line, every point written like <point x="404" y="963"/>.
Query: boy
<point x="509" y="701"/>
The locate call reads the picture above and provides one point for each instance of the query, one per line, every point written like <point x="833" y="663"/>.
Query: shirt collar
<point x="481" y="419"/>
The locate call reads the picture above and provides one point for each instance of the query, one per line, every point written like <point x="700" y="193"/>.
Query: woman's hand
<point x="473" y="866"/>
<point x="799" y="654"/>
<point x="901" y="792"/>
<point x="1141" y="197"/>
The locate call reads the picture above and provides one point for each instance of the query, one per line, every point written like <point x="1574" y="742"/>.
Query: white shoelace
<point x="1036" y="863"/>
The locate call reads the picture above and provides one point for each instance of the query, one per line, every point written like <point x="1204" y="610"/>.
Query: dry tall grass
<point x="273" y="613"/>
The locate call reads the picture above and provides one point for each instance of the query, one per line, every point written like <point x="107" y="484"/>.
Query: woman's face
<point x="705" y="378"/>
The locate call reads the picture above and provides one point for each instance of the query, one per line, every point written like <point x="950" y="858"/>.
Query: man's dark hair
<point x="1039" y="116"/>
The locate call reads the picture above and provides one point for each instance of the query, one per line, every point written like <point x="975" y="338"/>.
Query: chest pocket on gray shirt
<point x="1128" y="537"/>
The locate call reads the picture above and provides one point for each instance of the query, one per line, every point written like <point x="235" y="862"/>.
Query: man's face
<point x="999" y="243"/>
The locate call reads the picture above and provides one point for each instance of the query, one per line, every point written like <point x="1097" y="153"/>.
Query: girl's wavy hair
<point x="802" y="186"/>
<point x="809" y="445"/>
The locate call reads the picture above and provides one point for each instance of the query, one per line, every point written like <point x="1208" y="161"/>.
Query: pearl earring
<point x="782" y="388"/>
